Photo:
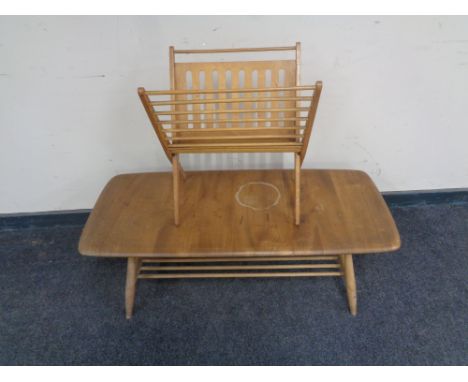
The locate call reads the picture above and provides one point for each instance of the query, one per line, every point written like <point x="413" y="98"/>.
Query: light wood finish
<point x="172" y="77"/>
<point x="236" y="275"/>
<point x="318" y="266"/>
<point x="350" y="281"/>
<point x="154" y="121"/>
<point x="227" y="107"/>
<point x="238" y="259"/>
<point x="297" y="188"/>
<point x="236" y="267"/>
<point x="311" y="119"/>
<point x="261" y="129"/>
<point x="133" y="268"/>
<point x="265" y="145"/>
<point x="298" y="74"/>
<point x="172" y="80"/>
<point x="235" y="50"/>
<point x="225" y="137"/>
<point x="298" y="61"/>
<point x="342" y="212"/>
<point x="234" y="111"/>
<point x="228" y="91"/>
<point x="181" y="169"/>
<point x="221" y="93"/>
<point x="175" y="187"/>
<point x="242" y="106"/>
<point x="188" y="121"/>
<point x="242" y="148"/>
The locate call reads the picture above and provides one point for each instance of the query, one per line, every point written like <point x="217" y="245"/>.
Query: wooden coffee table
<point x="239" y="224"/>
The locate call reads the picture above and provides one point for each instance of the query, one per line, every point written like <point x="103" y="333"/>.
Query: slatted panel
<point x="212" y="70"/>
<point x="218" y="109"/>
<point x="214" y="131"/>
<point x="294" y="266"/>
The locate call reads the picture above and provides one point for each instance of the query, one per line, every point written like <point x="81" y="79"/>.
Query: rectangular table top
<point x="240" y="213"/>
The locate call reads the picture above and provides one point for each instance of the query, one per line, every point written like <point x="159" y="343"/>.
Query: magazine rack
<point x="233" y="107"/>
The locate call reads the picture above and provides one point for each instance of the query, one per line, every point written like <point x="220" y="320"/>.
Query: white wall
<point x="394" y="102"/>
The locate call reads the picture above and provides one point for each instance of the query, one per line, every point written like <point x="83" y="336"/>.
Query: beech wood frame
<point x="259" y="136"/>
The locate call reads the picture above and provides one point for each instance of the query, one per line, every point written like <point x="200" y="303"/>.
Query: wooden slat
<point x="208" y="130"/>
<point x="188" y="121"/>
<point x="248" y="70"/>
<point x="181" y="81"/>
<point x="298" y="71"/>
<point x="234" y="137"/>
<point x="241" y="259"/>
<point x="274" y="106"/>
<point x="196" y="108"/>
<point x="261" y="78"/>
<point x="227" y="145"/>
<point x="290" y="80"/>
<point x="222" y="84"/>
<point x="234" y="111"/>
<point x="234" y="106"/>
<point x="233" y="90"/>
<point x="237" y="275"/>
<point x="234" y="50"/>
<point x="230" y="100"/>
<point x="209" y="118"/>
<point x="298" y="64"/>
<point x="233" y="148"/>
<point x="236" y="267"/>
<point x="172" y="79"/>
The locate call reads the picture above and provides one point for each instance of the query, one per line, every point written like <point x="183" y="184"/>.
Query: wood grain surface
<point x="342" y="212"/>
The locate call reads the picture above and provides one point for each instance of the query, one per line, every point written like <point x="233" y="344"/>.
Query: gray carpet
<point x="58" y="308"/>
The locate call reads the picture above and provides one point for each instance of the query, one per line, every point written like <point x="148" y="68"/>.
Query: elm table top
<point x="239" y="214"/>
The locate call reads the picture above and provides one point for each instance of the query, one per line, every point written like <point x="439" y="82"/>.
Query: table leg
<point x="346" y="262"/>
<point x="133" y="266"/>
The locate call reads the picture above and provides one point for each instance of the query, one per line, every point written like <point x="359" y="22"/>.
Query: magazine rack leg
<point x="350" y="281"/>
<point x="176" y="186"/>
<point x="297" y="189"/>
<point x="181" y="169"/>
<point x="133" y="267"/>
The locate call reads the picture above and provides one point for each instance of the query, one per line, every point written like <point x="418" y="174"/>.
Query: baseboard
<point x="453" y="196"/>
<point x="426" y="197"/>
<point x="43" y="219"/>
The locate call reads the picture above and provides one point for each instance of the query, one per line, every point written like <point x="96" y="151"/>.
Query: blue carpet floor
<point x="57" y="307"/>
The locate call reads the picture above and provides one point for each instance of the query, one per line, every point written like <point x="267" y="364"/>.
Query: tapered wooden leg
<point x="176" y="186"/>
<point x="347" y="266"/>
<point x="297" y="188"/>
<point x="181" y="170"/>
<point x="133" y="266"/>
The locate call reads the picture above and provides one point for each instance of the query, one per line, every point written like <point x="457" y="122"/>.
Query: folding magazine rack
<point x="233" y="107"/>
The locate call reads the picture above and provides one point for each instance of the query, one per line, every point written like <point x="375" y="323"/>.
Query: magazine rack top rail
<point x="233" y="106"/>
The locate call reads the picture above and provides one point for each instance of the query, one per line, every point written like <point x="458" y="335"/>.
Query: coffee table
<point x="238" y="224"/>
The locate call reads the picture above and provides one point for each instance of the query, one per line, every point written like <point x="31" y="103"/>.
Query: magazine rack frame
<point x="233" y="107"/>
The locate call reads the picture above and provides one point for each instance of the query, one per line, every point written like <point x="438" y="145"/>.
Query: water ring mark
<point x="253" y="207"/>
